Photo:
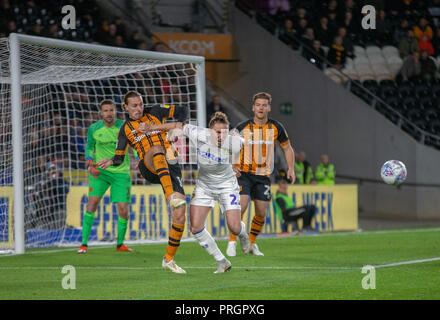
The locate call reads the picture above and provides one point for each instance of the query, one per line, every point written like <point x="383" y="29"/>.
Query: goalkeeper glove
<point x="91" y="167"/>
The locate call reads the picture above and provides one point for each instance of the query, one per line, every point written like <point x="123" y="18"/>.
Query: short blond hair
<point x="262" y="95"/>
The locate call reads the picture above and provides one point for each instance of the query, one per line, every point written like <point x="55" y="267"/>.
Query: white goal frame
<point x="15" y="40"/>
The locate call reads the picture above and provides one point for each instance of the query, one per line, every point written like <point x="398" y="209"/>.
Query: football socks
<point x="207" y="242"/>
<point x="176" y="233"/>
<point x="256" y="226"/>
<point x="87" y="226"/>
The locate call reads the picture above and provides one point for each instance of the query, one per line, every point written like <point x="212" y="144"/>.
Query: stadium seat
<point x="365" y="73"/>
<point x="390" y="51"/>
<point x="359" y="51"/>
<point x="377" y="59"/>
<point x="381" y="72"/>
<point x="349" y="63"/>
<point x="351" y="73"/>
<point x="361" y="60"/>
<point x="394" y="60"/>
<point x="373" y="50"/>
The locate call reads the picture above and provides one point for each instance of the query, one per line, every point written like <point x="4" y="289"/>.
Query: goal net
<point x="55" y="95"/>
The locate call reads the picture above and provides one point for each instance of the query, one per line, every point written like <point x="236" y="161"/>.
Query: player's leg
<point x="177" y="214"/>
<point x="256" y="226"/>
<point x="97" y="188"/>
<point x="199" y="209"/>
<point x="261" y="196"/>
<point x="123" y="213"/>
<point x="177" y="219"/>
<point x="245" y="191"/>
<point x="121" y="195"/>
<point x="231" y="205"/>
<point x="156" y="159"/>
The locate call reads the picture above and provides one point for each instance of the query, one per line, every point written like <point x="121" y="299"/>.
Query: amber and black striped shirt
<point x="143" y="142"/>
<point x="257" y="153"/>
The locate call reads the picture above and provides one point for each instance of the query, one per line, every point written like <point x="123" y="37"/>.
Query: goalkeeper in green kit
<point x="102" y="138"/>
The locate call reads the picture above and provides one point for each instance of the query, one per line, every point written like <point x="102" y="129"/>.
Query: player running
<point x="216" y="182"/>
<point x="101" y="143"/>
<point x="153" y="150"/>
<point x="256" y="164"/>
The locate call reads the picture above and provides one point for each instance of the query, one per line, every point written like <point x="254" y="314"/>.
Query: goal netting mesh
<point x="61" y="91"/>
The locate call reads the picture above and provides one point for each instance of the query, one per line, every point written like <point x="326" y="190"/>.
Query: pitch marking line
<point x="395" y="264"/>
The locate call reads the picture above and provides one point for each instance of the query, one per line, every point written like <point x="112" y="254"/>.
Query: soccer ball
<point x="393" y="172"/>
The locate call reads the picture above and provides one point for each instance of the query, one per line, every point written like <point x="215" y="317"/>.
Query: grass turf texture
<point x="301" y="267"/>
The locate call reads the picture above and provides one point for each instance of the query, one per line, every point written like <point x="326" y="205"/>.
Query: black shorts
<point x="258" y="187"/>
<point x="175" y="173"/>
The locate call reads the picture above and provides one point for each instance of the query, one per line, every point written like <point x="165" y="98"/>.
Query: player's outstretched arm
<point x="290" y="158"/>
<point x="145" y="127"/>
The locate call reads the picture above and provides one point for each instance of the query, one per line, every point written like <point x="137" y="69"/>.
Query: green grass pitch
<point x="325" y="266"/>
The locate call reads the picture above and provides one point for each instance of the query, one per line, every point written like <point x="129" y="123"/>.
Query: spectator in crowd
<point x="119" y="41"/>
<point x="301" y="13"/>
<point x="410" y="68"/>
<point x="346" y="42"/>
<point x="401" y="31"/>
<point x="383" y="27"/>
<point x="303" y="169"/>
<point x="301" y="29"/>
<point x="315" y="55"/>
<point x="425" y="44"/>
<point x="408" y="44"/>
<point x="350" y="25"/>
<point x="337" y="54"/>
<point x="325" y="172"/>
<point x="332" y="7"/>
<point x="352" y="7"/>
<point x="428" y="68"/>
<point x="160" y="47"/>
<point x="134" y="40"/>
<point x="287" y="211"/>
<point x="423" y="29"/>
<point x="214" y="106"/>
<point x="308" y="37"/>
<point x="287" y="33"/>
<point x="322" y="32"/>
<point x="121" y="29"/>
<point x="279" y="7"/>
<point x="333" y="23"/>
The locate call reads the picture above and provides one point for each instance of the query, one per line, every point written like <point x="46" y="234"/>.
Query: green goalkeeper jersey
<point x="101" y="144"/>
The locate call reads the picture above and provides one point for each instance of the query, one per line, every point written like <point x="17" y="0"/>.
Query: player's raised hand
<point x="104" y="163"/>
<point x="91" y="167"/>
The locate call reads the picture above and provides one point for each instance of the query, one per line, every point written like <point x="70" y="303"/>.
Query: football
<point x="393" y="172"/>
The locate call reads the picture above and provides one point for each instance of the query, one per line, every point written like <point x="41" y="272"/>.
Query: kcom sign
<point x="196" y="47"/>
<point x="211" y="46"/>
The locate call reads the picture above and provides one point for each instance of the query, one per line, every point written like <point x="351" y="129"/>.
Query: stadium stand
<point x="93" y="25"/>
<point x="376" y="71"/>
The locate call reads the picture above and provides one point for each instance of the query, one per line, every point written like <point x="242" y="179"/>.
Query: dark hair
<point x="218" y="117"/>
<point x="130" y="94"/>
<point x="106" y="102"/>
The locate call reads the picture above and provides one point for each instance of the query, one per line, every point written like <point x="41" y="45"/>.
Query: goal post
<point x="49" y="81"/>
